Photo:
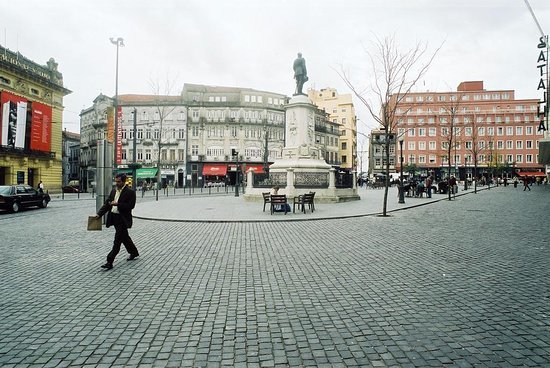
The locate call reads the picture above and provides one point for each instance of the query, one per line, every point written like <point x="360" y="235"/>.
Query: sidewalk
<point x="228" y="208"/>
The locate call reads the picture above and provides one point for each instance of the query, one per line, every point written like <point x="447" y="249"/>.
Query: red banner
<point x="118" y="148"/>
<point x="41" y="127"/>
<point x="12" y="124"/>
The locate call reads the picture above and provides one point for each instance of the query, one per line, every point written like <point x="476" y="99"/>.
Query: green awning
<point x="123" y="171"/>
<point x="146" y="173"/>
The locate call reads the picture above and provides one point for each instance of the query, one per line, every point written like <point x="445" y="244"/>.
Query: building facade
<point x="377" y="155"/>
<point x="160" y="137"/>
<point x="71" y="157"/>
<point x="340" y="111"/>
<point x="31" y="111"/>
<point x="472" y="123"/>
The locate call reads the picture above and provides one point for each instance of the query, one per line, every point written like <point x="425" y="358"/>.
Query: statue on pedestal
<point x="300" y="73"/>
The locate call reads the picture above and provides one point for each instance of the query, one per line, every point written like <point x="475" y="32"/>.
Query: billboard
<point x="41" y="127"/>
<point x="24" y="124"/>
<point x="14" y="120"/>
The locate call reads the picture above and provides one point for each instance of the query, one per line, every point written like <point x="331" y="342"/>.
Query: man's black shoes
<point x="132" y="257"/>
<point x="107" y="266"/>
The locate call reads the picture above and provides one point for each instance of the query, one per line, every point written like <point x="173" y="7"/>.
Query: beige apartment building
<point x="341" y="111"/>
<point x="490" y="125"/>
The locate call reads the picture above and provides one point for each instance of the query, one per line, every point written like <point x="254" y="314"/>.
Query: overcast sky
<point x="252" y="43"/>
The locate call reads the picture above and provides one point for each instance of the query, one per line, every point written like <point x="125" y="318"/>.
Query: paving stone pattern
<point x="463" y="283"/>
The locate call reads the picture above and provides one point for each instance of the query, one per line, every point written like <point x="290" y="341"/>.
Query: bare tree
<point x="474" y="146"/>
<point x="451" y="132"/>
<point x="395" y="73"/>
<point x="165" y="104"/>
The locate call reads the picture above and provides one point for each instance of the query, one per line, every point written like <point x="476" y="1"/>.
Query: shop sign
<point x="542" y="63"/>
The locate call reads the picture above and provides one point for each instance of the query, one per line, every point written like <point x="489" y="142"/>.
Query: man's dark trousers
<point x="121" y="237"/>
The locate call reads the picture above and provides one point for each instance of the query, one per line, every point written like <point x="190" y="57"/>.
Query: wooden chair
<point x="302" y="200"/>
<point x="267" y="198"/>
<point x="278" y="200"/>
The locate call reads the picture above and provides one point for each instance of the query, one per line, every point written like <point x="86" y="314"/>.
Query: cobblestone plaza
<point x="459" y="283"/>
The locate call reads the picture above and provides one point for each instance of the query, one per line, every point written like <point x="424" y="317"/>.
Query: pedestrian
<point x="505" y="181"/>
<point x="118" y="208"/>
<point x="41" y="187"/>
<point x="429" y="181"/>
<point x="526" y="183"/>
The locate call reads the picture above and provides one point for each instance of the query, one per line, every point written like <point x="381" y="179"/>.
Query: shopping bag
<point x="94" y="223"/>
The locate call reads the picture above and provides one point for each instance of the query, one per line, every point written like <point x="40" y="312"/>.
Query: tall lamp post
<point x="119" y="42"/>
<point x="235" y="153"/>
<point x="401" y="192"/>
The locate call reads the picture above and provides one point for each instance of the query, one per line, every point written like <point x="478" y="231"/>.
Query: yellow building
<point x="341" y="111"/>
<point x="31" y="111"/>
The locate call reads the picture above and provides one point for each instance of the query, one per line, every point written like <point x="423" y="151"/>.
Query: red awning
<point x="258" y="169"/>
<point x="214" y="170"/>
<point x="530" y="173"/>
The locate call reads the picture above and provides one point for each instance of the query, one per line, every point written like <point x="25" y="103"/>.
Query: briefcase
<point x="94" y="223"/>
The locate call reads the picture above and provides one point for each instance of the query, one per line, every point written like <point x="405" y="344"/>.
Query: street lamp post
<point x="401" y="192"/>
<point x="236" y="154"/>
<point x="119" y="42"/>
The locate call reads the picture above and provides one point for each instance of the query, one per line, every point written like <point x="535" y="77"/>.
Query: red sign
<point x="12" y="120"/>
<point x="119" y="137"/>
<point x="41" y="127"/>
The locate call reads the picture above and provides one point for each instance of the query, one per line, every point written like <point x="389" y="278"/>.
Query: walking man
<point x="526" y="183"/>
<point x="118" y="208"/>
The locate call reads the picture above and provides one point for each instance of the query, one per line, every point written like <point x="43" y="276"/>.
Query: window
<point x="233" y="131"/>
<point x="469" y="145"/>
<point x="156" y="134"/>
<point x="411" y="146"/>
<point x="344" y="159"/>
<point x="529" y="158"/>
<point x="468" y="132"/>
<point x="181" y="133"/>
<point x="529" y="130"/>
<point x="519" y="158"/>
<point x="148" y="155"/>
<point x="140" y="155"/>
<point x="195" y="131"/>
<point x="509" y="130"/>
<point x="432" y="132"/>
<point x="411" y="132"/>
<point x="421" y="132"/>
<point x="421" y="159"/>
<point x="344" y="145"/>
<point x="422" y="145"/>
<point x="509" y="144"/>
<point x="509" y="158"/>
<point x="181" y="155"/>
<point x="140" y="133"/>
<point x="519" y="144"/>
<point x="490" y="131"/>
<point x="195" y="150"/>
<point x="444" y="131"/>
<point x="528" y="144"/>
<point x="432" y="145"/>
<point x="500" y="131"/>
<point x="519" y="130"/>
<point x="195" y="114"/>
<point x="500" y="144"/>
<point x="432" y="159"/>
<point x="481" y="131"/>
<point x="246" y="98"/>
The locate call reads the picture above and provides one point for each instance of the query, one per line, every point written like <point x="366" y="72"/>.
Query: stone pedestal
<point x="302" y="167"/>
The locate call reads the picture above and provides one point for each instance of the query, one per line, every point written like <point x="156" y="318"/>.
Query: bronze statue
<point x="300" y="73"/>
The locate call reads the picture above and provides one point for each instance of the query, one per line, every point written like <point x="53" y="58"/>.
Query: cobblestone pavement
<point x="452" y="284"/>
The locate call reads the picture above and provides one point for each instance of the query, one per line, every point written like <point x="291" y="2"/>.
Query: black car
<point x="15" y="197"/>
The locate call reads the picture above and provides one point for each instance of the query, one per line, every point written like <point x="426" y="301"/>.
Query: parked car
<point x="15" y="197"/>
<point x="70" y="189"/>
